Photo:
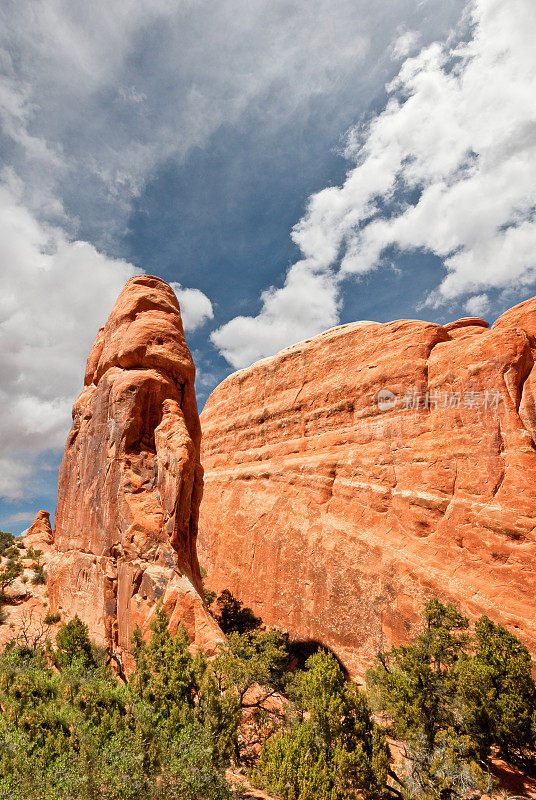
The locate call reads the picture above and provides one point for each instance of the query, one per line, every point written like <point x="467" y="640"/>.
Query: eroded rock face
<point x="335" y="512"/>
<point x="130" y="481"/>
<point x="39" y="534"/>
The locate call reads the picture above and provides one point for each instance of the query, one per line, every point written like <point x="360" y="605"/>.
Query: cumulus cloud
<point x="477" y="305"/>
<point x="14" y="474"/>
<point x="20" y="516"/>
<point x="405" y="44"/>
<point x="94" y="96"/>
<point x="196" y="308"/>
<point x="56" y="293"/>
<point x="447" y="167"/>
<point x="306" y="304"/>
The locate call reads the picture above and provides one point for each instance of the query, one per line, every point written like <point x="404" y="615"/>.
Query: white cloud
<point x="131" y="95"/>
<point x="56" y="293"/>
<point x="477" y="305"/>
<point x="448" y="167"/>
<point x="96" y="95"/>
<point x="461" y="129"/>
<point x="20" y="516"/>
<point x="14" y="474"/>
<point x="405" y="44"/>
<point x="306" y="304"/>
<point x="196" y="308"/>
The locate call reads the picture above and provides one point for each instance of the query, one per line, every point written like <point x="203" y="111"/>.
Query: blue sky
<point x="287" y="166"/>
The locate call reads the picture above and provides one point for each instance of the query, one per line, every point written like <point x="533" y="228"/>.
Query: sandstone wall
<point x="335" y="519"/>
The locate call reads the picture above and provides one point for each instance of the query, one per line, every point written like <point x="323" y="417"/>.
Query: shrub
<point x="6" y="540"/>
<point x="35" y="555"/>
<point x="249" y="671"/>
<point x="10" y="572"/>
<point x="73" y="646"/>
<point x="451" y="696"/>
<point x="39" y="576"/>
<point x="210" y="596"/>
<point x="232" y="616"/>
<point x="79" y="733"/>
<point x="497" y="693"/>
<point x="329" y="749"/>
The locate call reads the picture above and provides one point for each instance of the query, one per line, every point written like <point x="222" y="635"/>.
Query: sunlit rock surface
<point x="354" y="475"/>
<point x="130" y="481"/>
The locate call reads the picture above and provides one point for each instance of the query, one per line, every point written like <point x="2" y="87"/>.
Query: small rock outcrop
<point x="39" y="534"/>
<point x="27" y="602"/>
<point x="130" y="482"/>
<point x="354" y="475"/>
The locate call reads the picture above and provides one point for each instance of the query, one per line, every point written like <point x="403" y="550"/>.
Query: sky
<point x="287" y="165"/>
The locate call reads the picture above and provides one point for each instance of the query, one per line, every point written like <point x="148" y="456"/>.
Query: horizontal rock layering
<point x="335" y="511"/>
<point x="130" y="481"/>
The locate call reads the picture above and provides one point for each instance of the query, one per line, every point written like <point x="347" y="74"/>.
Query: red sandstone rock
<point x="25" y="618"/>
<point x="27" y="603"/>
<point x="39" y="534"/>
<point x="335" y="520"/>
<point x="130" y="481"/>
<point x="522" y="316"/>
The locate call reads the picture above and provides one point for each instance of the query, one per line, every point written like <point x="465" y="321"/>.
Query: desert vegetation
<point x="17" y="564"/>
<point x="455" y="697"/>
<point x="451" y="699"/>
<point x="10" y="568"/>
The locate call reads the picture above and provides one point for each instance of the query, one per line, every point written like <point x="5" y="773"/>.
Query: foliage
<point x="35" y="555"/>
<point x="497" y="694"/>
<point x="414" y="681"/>
<point x="177" y="691"/>
<point x="451" y="697"/>
<point x="51" y="618"/>
<point x="329" y="748"/>
<point x="69" y="729"/>
<point x="10" y="570"/>
<point x="32" y="631"/>
<point x="210" y="596"/>
<point x="233" y="617"/>
<point x="254" y="658"/>
<point x="39" y="576"/>
<point x="6" y="541"/>
<point x="76" y="732"/>
<point x="73" y="646"/>
<point x="165" y="677"/>
<point x="449" y="769"/>
<point x="9" y="573"/>
<point x="249" y="673"/>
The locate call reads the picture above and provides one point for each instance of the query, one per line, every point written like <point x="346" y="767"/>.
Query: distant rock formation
<point x="130" y="481"/>
<point x="39" y="533"/>
<point x="27" y="603"/>
<point x="354" y="475"/>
